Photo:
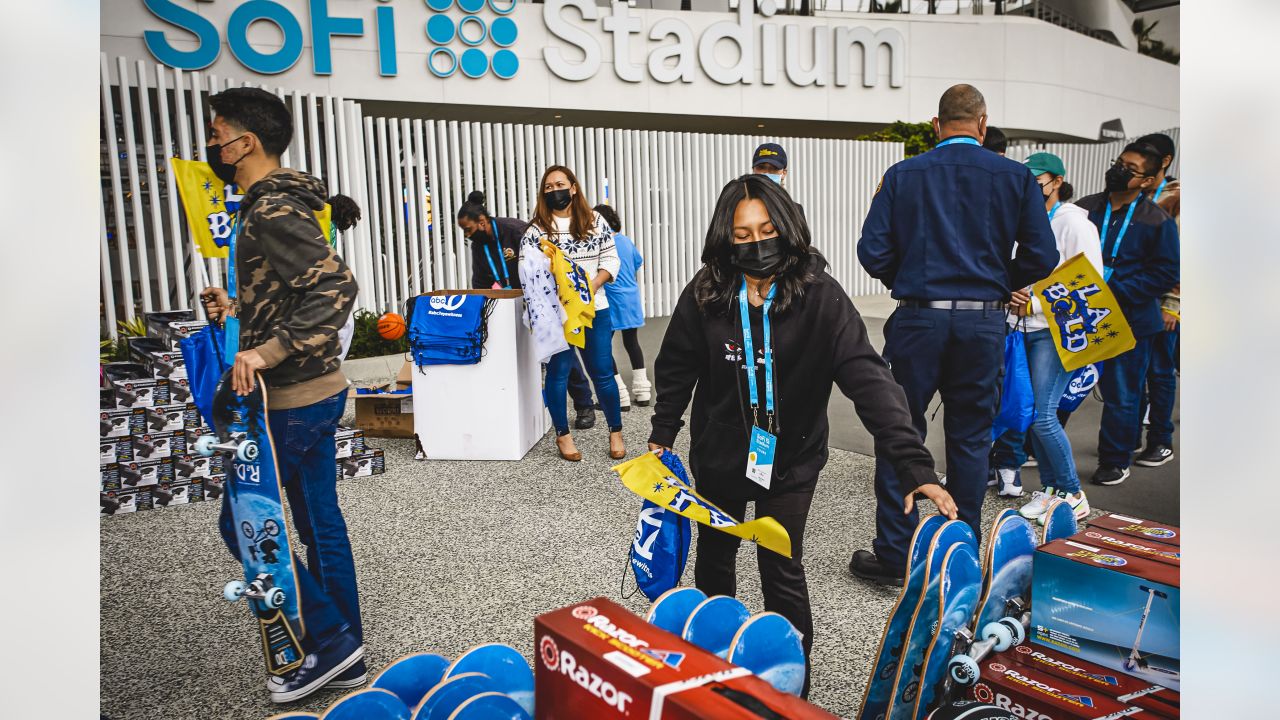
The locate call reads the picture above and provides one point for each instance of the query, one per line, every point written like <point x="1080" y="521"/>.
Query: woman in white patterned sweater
<point x="564" y="218"/>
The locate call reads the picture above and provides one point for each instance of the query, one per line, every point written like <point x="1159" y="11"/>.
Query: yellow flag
<point x="575" y="294"/>
<point x="647" y="477"/>
<point x="210" y="205"/>
<point x="1084" y="315"/>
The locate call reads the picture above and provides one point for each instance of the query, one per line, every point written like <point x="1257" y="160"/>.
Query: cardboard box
<point x="121" y="423"/>
<point x="110" y="475"/>
<point x="180" y="390"/>
<point x="158" y="357"/>
<point x="107" y="398"/>
<point x="1143" y="530"/>
<point x="1096" y="605"/>
<point x="141" y="393"/>
<point x="215" y="486"/>
<point x="157" y="323"/>
<point x="597" y="660"/>
<point x="178" y="492"/>
<point x="1028" y="693"/>
<point x="349" y="441"/>
<point x="385" y="414"/>
<point x="1128" y="690"/>
<point x="362" y="464"/>
<point x="1167" y="554"/>
<point x="120" y="502"/>
<point x="175" y="332"/>
<point x="153" y="446"/>
<point x="115" y="450"/>
<point x="136" y="474"/>
<point x="174" y="417"/>
<point x="190" y="467"/>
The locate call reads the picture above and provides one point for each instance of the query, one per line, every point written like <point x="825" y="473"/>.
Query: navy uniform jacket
<point x="1147" y="266"/>
<point x="943" y="224"/>
<point x="509" y="230"/>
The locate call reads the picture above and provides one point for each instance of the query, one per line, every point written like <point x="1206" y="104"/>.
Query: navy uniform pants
<point x="960" y="354"/>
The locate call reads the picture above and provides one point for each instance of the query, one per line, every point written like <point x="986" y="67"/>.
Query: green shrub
<point x="366" y="342"/>
<point x="916" y="138"/>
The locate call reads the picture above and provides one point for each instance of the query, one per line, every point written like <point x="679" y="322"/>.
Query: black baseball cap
<point x="772" y="154"/>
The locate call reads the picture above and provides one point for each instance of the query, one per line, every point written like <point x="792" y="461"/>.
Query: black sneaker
<point x="586" y="419"/>
<point x="867" y="566"/>
<point x="1155" y="456"/>
<point x="318" y="669"/>
<point x="1109" y="475"/>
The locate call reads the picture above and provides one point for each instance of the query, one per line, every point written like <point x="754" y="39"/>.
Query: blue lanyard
<point x="1054" y="209"/>
<point x="961" y="140"/>
<point x="506" y="280"/>
<point x="1159" y="189"/>
<point x="1106" y="227"/>
<point x="749" y="355"/>
<point x="231" y="325"/>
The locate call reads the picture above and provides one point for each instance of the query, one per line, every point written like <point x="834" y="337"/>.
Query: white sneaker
<point x="1078" y="502"/>
<point x="1040" y="500"/>
<point x="1010" y="482"/>
<point x="1031" y="462"/>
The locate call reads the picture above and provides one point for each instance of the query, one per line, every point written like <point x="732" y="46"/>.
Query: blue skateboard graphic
<point x="253" y="490"/>
<point x="443" y="699"/>
<point x="370" y="704"/>
<point x="714" y="623"/>
<point x="412" y="676"/>
<point x="875" y="699"/>
<point x="958" y="597"/>
<point x="1059" y="521"/>
<point x="1007" y="570"/>
<point x="672" y="608"/>
<point x="490" y="706"/>
<point x="770" y="647"/>
<point x="507" y="670"/>
<point x="919" y="634"/>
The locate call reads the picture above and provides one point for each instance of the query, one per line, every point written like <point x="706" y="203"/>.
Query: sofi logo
<point x="472" y="32"/>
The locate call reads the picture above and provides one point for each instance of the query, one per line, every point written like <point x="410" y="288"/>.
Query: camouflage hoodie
<point x="294" y="291"/>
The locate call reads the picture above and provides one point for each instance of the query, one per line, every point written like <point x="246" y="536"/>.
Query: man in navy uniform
<point x="941" y="236"/>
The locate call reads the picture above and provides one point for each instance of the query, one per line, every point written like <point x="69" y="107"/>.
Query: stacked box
<point x="1029" y="693"/>
<point x="348" y="441"/>
<point x="1122" y="688"/>
<point x="362" y="464"/>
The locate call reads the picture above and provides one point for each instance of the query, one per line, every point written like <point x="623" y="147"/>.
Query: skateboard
<point x="714" y="622"/>
<point x="253" y="489"/>
<point x="490" y="706"/>
<point x="444" y="698"/>
<point x="919" y="633"/>
<point x="506" y="669"/>
<point x="958" y="596"/>
<point x="875" y="699"/>
<point x="412" y="676"/>
<point x="671" y="610"/>
<point x="368" y="704"/>
<point x="1006" y="570"/>
<point x="1059" y="521"/>
<point x="769" y="646"/>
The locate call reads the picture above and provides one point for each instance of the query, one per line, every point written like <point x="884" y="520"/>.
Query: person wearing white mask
<point x="770" y="160"/>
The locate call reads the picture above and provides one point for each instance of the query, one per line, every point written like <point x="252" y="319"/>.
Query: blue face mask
<point x="773" y="177"/>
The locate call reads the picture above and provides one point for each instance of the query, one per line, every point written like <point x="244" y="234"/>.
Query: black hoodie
<point x="820" y="341"/>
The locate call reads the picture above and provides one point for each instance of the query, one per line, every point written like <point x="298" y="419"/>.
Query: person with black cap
<point x="770" y="160"/>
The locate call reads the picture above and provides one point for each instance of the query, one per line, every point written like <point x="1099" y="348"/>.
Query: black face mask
<point x="557" y="199"/>
<point x="225" y="171"/>
<point x="759" y="259"/>
<point x="481" y="237"/>
<point x="1117" y="178"/>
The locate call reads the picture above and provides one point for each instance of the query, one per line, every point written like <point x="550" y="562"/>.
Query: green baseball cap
<point x="1043" y="162"/>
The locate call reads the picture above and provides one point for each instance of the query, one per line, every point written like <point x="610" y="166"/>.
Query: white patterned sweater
<point x="593" y="253"/>
<point x="543" y="313"/>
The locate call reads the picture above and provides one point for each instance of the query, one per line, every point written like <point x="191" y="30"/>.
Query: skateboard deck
<point x="1006" y="569"/>
<point x="368" y="704"/>
<point x="919" y="633"/>
<point x="444" y="698"/>
<point x="490" y="706"/>
<point x="672" y="608"/>
<point x="770" y="647"/>
<point x="507" y="669"/>
<point x="957" y="598"/>
<point x="412" y="676"/>
<point x="714" y="623"/>
<point x="875" y="699"/>
<point x="253" y="489"/>
<point x="1059" y="521"/>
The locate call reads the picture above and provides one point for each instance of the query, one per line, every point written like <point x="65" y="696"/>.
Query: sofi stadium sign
<point x="475" y="37"/>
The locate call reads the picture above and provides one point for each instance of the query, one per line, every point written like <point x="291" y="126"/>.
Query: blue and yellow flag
<point x="210" y="205"/>
<point x="575" y="294"/>
<point x="1084" y="315"/>
<point x="647" y="477"/>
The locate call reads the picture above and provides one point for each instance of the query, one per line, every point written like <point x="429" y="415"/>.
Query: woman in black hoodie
<point x="758" y="248"/>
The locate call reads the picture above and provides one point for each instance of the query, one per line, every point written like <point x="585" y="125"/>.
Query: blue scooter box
<point x="1109" y="608"/>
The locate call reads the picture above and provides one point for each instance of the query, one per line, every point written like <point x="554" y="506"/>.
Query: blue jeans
<point x="1048" y="439"/>
<point x="1162" y="387"/>
<point x="579" y="390"/>
<point x="1121" y="385"/>
<point x="598" y="355"/>
<point x="305" y="451"/>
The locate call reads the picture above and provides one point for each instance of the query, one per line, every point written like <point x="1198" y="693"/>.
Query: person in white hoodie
<point x="1074" y="234"/>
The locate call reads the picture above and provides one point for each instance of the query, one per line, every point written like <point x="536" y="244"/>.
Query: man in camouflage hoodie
<point x="293" y="294"/>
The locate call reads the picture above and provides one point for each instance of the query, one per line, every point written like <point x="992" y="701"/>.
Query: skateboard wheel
<point x="1001" y="634"/>
<point x="963" y="669"/>
<point x="1019" y="632"/>
<point x="204" y="445"/>
<point x="233" y="590"/>
<point x="274" y="598"/>
<point x="247" y="451"/>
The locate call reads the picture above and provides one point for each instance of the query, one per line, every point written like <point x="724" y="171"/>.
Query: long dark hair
<point x="581" y="217"/>
<point x="716" y="284"/>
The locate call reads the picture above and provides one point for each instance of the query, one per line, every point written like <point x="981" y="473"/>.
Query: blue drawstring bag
<point x="203" y="352"/>
<point x="1083" y="381"/>
<point x="661" y="546"/>
<point x="1017" y="401"/>
<point x="447" y="329"/>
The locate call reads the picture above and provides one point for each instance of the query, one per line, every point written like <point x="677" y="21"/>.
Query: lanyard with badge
<point x="231" y="323"/>
<point x="506" y="279"/>
<point x="763" y="444"/>
<point x="1159" y="189"/>
<point x="961" y="140"/>
<point x="1124" y="228"/>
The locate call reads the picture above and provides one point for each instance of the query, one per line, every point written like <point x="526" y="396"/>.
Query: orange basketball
<point x="391" y="326"/>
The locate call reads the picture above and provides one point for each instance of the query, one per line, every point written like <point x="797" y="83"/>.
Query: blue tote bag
<point x="203" y="352"/>
<point x="661" y="546"/>
<point x="1017" y="402"/>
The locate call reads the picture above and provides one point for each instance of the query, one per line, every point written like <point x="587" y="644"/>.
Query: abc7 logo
<point x="447" y="302"/>
<point x="549" y="652"/>
<point x="472" y="32"/>
<point x="584" y="612"/>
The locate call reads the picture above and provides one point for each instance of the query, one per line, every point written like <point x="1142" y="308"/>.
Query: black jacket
<point x="510" y="230"/>
<point x="820" y="341"/>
